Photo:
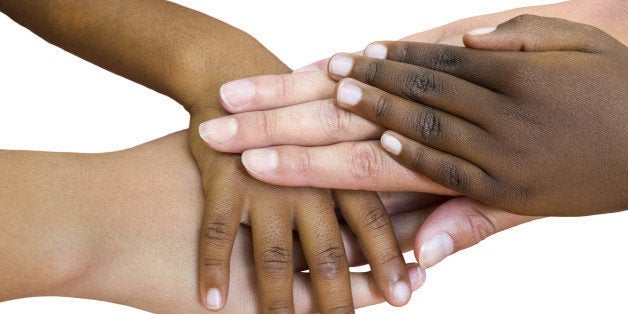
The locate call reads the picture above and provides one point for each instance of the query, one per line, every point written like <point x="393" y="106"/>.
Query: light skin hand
<point x="485" y="124"/>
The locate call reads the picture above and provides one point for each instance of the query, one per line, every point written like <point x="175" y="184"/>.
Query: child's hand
<point x="273" y="211"/>
<point x="538" y="133"/>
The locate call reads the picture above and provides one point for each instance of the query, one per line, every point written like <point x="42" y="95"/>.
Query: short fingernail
<point x="262" y="160"/>
<point x="417" y="276"/>
<point x="376" y="50"/>
<point x="482" y="31"/>
<point x="391" y="144"/>
<point x="213" y="301"/>
<point x="340" y="65"/>
<point x="237" y="93"/>
<point x="349" y="93"/>
<point x="435" y="250"/>
<point x="400" y="291"/>
<point x="218" y="131"/>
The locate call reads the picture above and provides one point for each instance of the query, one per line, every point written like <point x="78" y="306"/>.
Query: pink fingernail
<point x="435" y="250"/>
<point x="218" y="131"/>
<point x="400" y="291"/>
<point x="391" y="144"/>
<point x="417" y="276"/>
<point x="482" y="31"/>
<point x="375" y="50"/>
<point x="340" y="65"/>
<point x="213" y="301"/>
<point x="261" y="160"/>
<point x="237" y="93"/>
<point x="349" y="93"/>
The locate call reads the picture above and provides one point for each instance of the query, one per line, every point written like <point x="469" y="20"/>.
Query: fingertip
<point x="340" y="65"/>
<point x="348" y="93"/>
<point x="482" y="31"/>
<point x="435" y="249"/>
<point x="376" y="50"/>
<point x="214" y="300"/>
<point x="417" y="276"/>
<point x="236" y="94"/>
<point x="260" y="161"/>
<point x="391" y="143"/>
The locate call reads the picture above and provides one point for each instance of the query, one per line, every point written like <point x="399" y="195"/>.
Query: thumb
<point x="458" y="224"/>
<point x="535" y="33"/>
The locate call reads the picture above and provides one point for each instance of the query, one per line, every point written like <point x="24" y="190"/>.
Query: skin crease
<point x="131" y="39"/>
<point x="121" y="227"/>
<point x="490" y="119"/>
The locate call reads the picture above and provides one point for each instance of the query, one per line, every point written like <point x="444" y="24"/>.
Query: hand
<point x="315" y="121"/>
<point x="520" y="130"/>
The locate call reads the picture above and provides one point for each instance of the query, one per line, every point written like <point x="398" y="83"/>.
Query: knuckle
<point x="366" y="162"/>
<point x="266" y="124"/>
<point x="389" y="256"/>
<point x="400" y="53"/>
<point x="373" y="72"/>
<point x="336" y="121"/>
<point x="217" y="234"/>
<point x="451" y="175"/>
<point x="330" y="263"/>
<point x="276" y="259"/>
<point x="341" y="309"/>
<point x="375" y="219"/>
<point x="444" y="58"/>
<point x="480" y="225"/>
<point x="303" y="162"/>
<point x="417" y="159"/>
<point x="422" y="82"/>
<point x="427" y="124"/>
<point x="382" y="107"/>
<point x="281" y="306"/>
<point x="283" y="87"/>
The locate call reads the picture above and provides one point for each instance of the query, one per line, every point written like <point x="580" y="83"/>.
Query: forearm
<point x="113" y="227"/>
<point x="164" y="46"/>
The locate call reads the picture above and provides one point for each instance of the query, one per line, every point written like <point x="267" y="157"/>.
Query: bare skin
<point x="182" y="54"/>
<point x="122" y="227"/>
<point x="536" y="131"/>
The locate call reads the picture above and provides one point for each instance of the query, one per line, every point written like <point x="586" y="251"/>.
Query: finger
<point x="272" y="246"/>
<point x="314" y="123"/>
<point x="424" y="85"/>
<point x="427" y="125"/>
<point x="450" y="171"/>
<point x="535" y="33"/>
<point x="493" y="70"/>
<point x="351" y="165"/>
<point x="458" y="224"/>
<point x="275" y="91"/>
<point x="219" y="226"/>
<point x="366" y="216"/>
<point x="362" y="289"/>
<point x="315" y="66"/>
<point x="324" y="252"/>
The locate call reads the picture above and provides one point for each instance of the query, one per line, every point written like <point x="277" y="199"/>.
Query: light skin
<point x="350" y="140"/>
<point x="174" y="50"/>
<point x="122" y="227"/>
<point x="534" y="133"/>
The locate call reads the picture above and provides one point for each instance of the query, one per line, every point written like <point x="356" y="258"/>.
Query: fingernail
<point x="435" y="250"/>
<point x="218" y="131"/>
<point x="213" y="301"/>
<point x="261" y="160"/>
<point x="340" y="65"/>
<point x="400" y="291"/>
<point x="237" y="93"/>
<point x="391" y="144"/>
<point x="376" y="50"/>
<point x="482" y="31"/>
<point x="349" y="93"/>
<point x="417" y="276"/>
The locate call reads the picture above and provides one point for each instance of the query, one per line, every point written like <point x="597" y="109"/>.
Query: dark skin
<point x="183" y="54"/>
<point x="534" y="133"/>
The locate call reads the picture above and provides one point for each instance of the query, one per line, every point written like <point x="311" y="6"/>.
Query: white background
<point x="51" y="100"/>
